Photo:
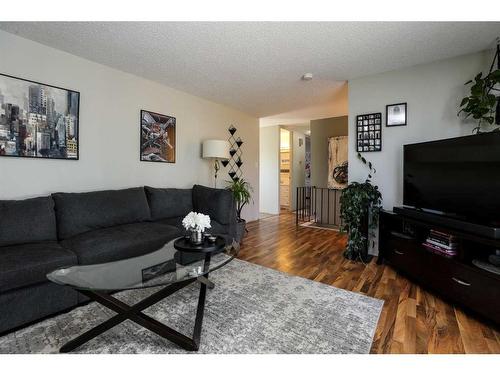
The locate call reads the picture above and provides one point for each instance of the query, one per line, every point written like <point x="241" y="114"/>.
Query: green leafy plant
<point x="360" y="204"/>
<point x="481" y="102"/>
<point x="242" y="192"/>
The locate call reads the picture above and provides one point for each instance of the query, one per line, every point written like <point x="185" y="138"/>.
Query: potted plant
<point x="482" y="104"/>
<point x="242" y="193"/>
<point x="360" y="204"/>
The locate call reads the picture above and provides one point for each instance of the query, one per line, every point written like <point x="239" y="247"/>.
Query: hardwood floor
<point x="413" y="319"/>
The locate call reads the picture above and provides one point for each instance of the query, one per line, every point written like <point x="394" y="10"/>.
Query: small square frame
<point x="405" y="105"/>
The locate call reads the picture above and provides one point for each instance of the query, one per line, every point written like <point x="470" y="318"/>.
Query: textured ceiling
<point x="256" y="67"/>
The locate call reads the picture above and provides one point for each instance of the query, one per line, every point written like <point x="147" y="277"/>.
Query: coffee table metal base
<point x="134" y="313"/>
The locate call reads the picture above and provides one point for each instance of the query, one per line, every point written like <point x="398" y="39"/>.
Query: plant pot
<point x="240" y="230"/>
<point x="363" y="253"/>
<point x="364" y="256"/>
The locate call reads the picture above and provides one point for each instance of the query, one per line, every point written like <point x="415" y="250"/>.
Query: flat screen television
<point x="458" y="177"/>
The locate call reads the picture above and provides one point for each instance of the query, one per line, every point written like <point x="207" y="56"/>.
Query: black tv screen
<point x="458" y="177"/>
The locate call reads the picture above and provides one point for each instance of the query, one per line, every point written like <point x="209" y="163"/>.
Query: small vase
<point x="196" y="237"/>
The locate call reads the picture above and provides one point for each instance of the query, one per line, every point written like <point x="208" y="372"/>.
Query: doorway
<point x="285" y="169"/>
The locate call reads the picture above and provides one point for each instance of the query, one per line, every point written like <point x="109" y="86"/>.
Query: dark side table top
<point x="183" y="244"/>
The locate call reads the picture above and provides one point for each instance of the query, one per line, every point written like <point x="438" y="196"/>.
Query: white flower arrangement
<point x="196" y="221"/>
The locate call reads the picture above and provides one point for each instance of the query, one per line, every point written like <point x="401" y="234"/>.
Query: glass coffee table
<point x="159" y="268"/>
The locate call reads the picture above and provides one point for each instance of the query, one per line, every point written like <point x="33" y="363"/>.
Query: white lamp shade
<point x="215" y="149"/>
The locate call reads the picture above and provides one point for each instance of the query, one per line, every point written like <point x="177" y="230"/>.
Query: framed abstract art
<point x="157" y="137"/>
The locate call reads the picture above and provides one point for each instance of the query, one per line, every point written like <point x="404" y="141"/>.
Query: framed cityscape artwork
<point x="157" y="137"/>
<point x="369" y="132"/>
<point x="38" y="120"/>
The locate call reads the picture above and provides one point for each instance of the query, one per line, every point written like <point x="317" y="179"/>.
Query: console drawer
<point x="465" y="285"/>
<point x="457" y="282"/>
<point x="404" y="255"/>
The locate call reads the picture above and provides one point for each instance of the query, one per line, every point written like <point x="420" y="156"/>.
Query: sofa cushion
<point x="167" y="203"/>
<point x="26" y="221"/>
<point x="174" y="221"/>
<point x="120" y="242"/>
<point x="216" y="203"/>
<point x="28" y="264"/>
<point x="216" y="227"/>
<point x="82" y="212"/>
<point x="25" y="305"/>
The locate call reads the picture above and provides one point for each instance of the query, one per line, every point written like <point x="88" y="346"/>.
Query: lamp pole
<point x="216" y="167"/>
<point x="215" y="150"/>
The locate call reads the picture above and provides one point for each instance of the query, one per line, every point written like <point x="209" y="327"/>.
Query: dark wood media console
<point x="456" y="278"/>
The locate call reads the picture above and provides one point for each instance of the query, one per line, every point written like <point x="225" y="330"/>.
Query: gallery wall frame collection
<point x="157" y="137"/>
<point x="369" y="132"/>
<point x="38" y="120"/>
<point x="369" y="126"/>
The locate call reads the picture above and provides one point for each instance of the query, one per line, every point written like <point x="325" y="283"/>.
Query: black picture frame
<point x="160" y="120"/>
<point x="369" y="132"/>
<point x="387" y="114"/>
<point x="76" y="115"/>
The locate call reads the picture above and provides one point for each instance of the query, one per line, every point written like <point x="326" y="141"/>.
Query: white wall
<point x="110" y="105"/>
<point x="269" y="169"/>
<point x="433" y="92"/>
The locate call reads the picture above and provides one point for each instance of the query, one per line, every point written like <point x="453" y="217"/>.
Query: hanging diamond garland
<point x="236" y="154"/>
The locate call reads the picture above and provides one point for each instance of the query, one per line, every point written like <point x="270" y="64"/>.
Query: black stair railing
<point x="319" y="206"/>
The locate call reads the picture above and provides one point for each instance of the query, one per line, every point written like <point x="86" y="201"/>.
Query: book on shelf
<point x="438" y="233"/>
<point x="452" y="246"/>
<point x="440" y="238"/>
<point x="441" y="235"/>
<point x="439" y="250"/>
<point x="443" y="240"/>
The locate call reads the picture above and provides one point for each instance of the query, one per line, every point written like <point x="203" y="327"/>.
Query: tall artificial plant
<point x="360" y="204"/>
<point x="242" y="193"/>
<point x="482" y="104"/>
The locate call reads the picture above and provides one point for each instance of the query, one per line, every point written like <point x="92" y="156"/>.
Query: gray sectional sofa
<point x="42" y="234"/>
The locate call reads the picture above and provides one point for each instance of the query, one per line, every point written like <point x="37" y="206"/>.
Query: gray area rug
<point x="252" y="309"/>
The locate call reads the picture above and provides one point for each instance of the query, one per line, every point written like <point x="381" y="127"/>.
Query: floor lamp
<point x="216" y="150"/>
